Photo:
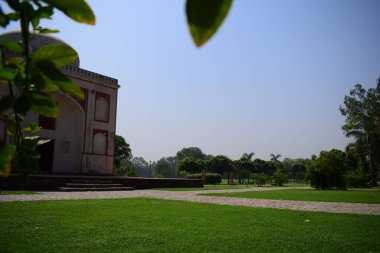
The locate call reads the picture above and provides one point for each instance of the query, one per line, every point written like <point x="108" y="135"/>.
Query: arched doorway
<point x="67" y="137"/>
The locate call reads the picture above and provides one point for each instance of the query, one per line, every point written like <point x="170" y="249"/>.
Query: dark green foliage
<point x="191" y="152"/>
<point x="123" y="152"/>
<point x="362" y="111"/>
<point x="142" y="167"/>
<point x="211" y="178"/>
<point x="295" y="168"/>
<point x="259" y="178"/>
<point x="356" y="179"/>
<point x="220" y="164"/>
<point x="327" y="171"/>
<point x="205" y="17"/>
<point x="280" y="177"/>
<point x="244" y="166"/>
<point x="164" y="168"/>
<point x="191" y="165"/>
<point x="262" y="166"/>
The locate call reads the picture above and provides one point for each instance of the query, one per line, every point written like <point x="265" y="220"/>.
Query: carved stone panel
<point x="102" y="104"/>
<point x="100" y="142"/>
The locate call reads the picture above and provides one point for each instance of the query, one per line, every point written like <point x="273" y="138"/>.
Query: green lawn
<point x="206" y="187"/>
<point x="352" y="196"/>
<point x="6" y="192"/>
<point x="145" y="225"/>
<point x="226" y="187"/>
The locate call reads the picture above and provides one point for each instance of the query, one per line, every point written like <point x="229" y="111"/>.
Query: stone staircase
<point x="93" y="185"/>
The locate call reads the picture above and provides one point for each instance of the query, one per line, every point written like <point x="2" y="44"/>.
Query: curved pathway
<point x="193" y="196"/>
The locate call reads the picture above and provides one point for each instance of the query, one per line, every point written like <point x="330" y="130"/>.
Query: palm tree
<point x="247" y="156"/>
<point x="274" y="158"/>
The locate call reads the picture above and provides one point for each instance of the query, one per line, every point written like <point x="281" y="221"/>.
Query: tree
<point x="191" y="152"/>
<point x="259" y="178"/>
<point x="274" y="158"/>
<point x="191" y="165"/>
<point x="123" y="152"/>
<point x="122" y="158"/>
<point x="220" y="164"/>
<point x="267" y="167"/>
<point x="32" y="76"/>
<point x="279" y="175"/>
<point x="327" y="171"/>
<point x="295" y="168"/>
<point x="163" y="168"/>
<point x="244" y="166"/>
<point x="247" y="157"/>
<point x="362" y="111"/>
<point x="142" y="167"/>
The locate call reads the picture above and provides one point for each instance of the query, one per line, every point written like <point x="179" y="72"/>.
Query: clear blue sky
<point x="270" y="81"/>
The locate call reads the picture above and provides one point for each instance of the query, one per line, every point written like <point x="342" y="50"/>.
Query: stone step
<point x="91" y="181"/>
<point x="92" y="185"/>
<point x="75" y="189"/>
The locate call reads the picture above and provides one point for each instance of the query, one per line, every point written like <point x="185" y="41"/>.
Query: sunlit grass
<point x="145" y="225"/>
<point x="353" y="196"/>
<point x="228" y="187"/>
<point x="6" y="192"/>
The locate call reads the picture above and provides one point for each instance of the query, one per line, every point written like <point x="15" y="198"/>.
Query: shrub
<point x="259" y="178"/>
<point x="356" y="179"/>
<point x="211" y="178"/>
<point x="327" y="171"/>
<point x="280" y="177"/>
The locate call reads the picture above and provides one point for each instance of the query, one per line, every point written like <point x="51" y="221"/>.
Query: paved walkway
<point x="193" y="196"/>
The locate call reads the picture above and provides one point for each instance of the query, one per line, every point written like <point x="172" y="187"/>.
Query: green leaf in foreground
<point x="205" y="17"/>
<point x="6" y="155"/>
<point x="43" y="104"/>
<point x="12" y="45"/>
<point x="50" y="79"/>
<point x="59" y="55"/>
<point x="78" y="10"/>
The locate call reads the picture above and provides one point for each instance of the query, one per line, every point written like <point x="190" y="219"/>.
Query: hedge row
<point x="211" y="178"/>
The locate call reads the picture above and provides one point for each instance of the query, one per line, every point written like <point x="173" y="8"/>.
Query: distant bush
<point x="327" y="171"/>
<point x="211" y="178"/>
<point x="280" y="177"/>
<point x="356" y="179"/>
<point x="259" y="178"/>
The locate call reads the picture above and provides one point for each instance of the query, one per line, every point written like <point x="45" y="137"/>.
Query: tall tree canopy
<point x="362" y="111"/>
<point x="123" y="152"/>
<point x="191" y="152"/>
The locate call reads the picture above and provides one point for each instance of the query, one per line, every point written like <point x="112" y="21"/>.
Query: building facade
<point x="82" y="136"/>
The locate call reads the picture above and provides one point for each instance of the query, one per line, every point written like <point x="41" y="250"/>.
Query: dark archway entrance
<point x="47" y="156"/>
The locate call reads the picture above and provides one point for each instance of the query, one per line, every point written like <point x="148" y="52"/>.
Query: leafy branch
<point x="31" y="78"/>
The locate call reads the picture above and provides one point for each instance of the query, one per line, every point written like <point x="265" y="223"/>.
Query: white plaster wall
<point x="68" y="135"/>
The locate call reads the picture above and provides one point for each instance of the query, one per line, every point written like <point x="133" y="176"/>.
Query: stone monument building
<point x="82" y="136"/>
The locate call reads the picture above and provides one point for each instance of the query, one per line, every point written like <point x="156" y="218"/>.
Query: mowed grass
<point x="146" y="225"/>
<point x="206" y="187"/>
<point x="352" y="196"/>
<point x="226" y="187"/>
<point x="6" y="192"/>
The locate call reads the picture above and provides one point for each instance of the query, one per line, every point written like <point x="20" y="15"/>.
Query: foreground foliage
<point x="31" y="77"/>
<point x="143" y="225"/>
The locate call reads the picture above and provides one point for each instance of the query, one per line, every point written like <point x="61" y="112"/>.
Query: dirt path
<point x="193" y="196"/>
